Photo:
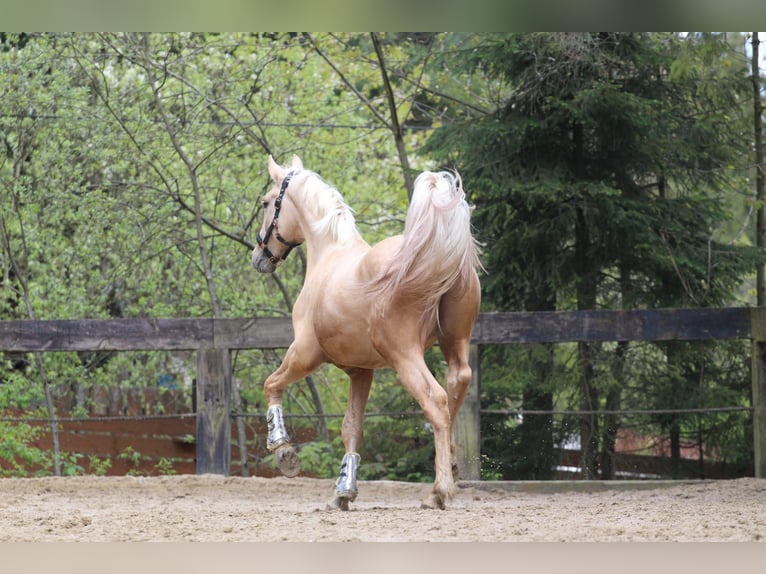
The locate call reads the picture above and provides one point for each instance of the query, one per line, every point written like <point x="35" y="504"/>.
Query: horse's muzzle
<point x="262" y="263"/>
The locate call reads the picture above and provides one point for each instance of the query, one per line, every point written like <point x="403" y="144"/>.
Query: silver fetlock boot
<point x="278" y="442"/>
<point x="277" y="431"/>
<point x="345" y="486"/>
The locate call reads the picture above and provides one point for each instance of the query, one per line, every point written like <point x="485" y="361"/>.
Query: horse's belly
<point x="349" y="348"/>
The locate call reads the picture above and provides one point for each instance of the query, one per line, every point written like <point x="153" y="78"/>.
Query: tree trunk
<point x="701" y="441"/>
<point x="675" y="448"/>
<point x="760" y="176"/>
<point x="614" y="394"/>
<point x="612" y="421"/>
<point x="675" y="400"/>
<point x="589" y="428"/>
<point x="536" y="431"/>
<point x="585" y="269"/>
<point x="199" y="223"/>
<point x="22" y="279"/>
<point x="589" y="395"/>
<point x="316" y="398"/>
<point x="241" y="431"/>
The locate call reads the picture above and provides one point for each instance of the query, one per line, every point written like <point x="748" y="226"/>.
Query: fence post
<point x="214" y="382"/>
<point x="758" y="334"/>
<point x="467" y="430"/>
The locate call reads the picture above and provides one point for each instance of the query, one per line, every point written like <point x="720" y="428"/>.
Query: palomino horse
<point x="363" y="308"/>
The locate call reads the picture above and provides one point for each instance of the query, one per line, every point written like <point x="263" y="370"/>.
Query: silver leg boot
<point x="346" y="487"/>
<point x="278" y="442"/>
<point x="278" y="436"/>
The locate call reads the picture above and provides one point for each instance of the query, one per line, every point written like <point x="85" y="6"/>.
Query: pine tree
<point x="599" y="182"/>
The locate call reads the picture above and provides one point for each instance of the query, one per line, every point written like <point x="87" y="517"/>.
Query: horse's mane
<point x="333" y="216"/>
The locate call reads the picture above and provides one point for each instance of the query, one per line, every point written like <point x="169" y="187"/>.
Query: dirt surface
<point x="214" y="508"/>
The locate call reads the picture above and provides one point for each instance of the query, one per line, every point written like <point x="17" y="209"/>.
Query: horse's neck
<point x="323" y="243"/>
<point x="322" y="254"/>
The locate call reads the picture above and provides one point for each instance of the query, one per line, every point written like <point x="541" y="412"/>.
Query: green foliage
<point x="594" y="137"/>
<point x="98" y="200"/>
<point x="164" y="467"/>
<point x="322" y="459"/>
<point x="16" y="455"/>
<point x="398" y="447"/>
<point x="398" y="450"/>
<point x="98" y="466"/>
<point x="516" y="378"/>
<point x="133" y="458"/>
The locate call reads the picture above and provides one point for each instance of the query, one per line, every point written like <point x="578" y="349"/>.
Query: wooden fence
<point x="214" y="339"/>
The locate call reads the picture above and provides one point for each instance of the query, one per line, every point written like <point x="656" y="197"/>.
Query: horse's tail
<point x="438" y="247"/>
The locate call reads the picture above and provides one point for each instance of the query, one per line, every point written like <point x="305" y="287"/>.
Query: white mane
<point x="332" y="215"/>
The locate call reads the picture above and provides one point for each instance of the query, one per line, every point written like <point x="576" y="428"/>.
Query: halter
<point x="274" y="227"/>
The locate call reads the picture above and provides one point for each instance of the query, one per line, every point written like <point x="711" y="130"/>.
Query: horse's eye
<point x="265" y="204"/>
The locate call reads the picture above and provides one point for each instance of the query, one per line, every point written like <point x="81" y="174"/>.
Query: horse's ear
<point x="297" y="163"/>
<point x="275" y="170"/>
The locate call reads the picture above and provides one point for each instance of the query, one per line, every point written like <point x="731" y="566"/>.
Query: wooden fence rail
<point x="214" y="339"/>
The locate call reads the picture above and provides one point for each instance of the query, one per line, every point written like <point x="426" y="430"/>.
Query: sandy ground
<point x="213" y="508"/>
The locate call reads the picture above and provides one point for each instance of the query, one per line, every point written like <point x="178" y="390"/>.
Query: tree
<point x="599" y="182"/>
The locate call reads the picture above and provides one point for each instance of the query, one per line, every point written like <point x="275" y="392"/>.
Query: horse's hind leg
<point x="294" y="366"/>
<point x="456" y="353"/>
<point x="457" y="311"/>
<point x="352" y="432"/>
<point x="432" y="398"/>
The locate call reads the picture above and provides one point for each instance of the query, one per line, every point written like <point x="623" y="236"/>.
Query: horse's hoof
<point x="432" y="501"/>
<point x="287" y="461"/>
<point x="338" y="503"/>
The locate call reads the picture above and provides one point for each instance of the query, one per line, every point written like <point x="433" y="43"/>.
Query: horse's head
<point x="280" y="231"/>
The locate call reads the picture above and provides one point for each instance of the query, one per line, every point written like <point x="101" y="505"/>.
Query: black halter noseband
<point x="274" y="227"/>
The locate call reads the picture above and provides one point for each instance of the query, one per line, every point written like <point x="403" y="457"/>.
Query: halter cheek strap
<point x="274" y="227"/>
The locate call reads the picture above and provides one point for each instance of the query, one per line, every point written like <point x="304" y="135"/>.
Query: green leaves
<point x="133" y="165"/>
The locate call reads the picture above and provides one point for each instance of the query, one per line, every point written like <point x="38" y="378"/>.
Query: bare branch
<point x="349" y="85"/>
<point x="396" y="127"/>
<point x="192" y="172"/>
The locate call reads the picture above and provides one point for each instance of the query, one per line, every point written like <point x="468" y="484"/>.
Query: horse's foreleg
<point x="278" y="440"/>
<point x="352" y="431"/>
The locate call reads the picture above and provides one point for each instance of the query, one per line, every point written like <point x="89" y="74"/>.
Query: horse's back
<point x="377" y="259"/>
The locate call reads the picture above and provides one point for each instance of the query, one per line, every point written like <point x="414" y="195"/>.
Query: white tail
<point x="438" y="248"/>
